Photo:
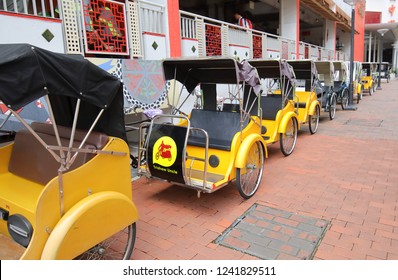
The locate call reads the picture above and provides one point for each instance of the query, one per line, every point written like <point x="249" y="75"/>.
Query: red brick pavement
<point x="346" y="173"/>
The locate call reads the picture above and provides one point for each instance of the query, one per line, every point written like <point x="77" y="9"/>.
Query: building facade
<point x="131" y="37"/>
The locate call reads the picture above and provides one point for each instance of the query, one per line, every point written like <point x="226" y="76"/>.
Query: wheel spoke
<point x="118" y="246"/>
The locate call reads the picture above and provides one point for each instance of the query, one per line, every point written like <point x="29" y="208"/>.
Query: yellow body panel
<point x="41" y="204"/>
<point x="90" y="221"/>
<point x="310" y="100"/>
<point x="226" y="168"/>
<point x="367" y="82"/>
<point x="277" y="126"/>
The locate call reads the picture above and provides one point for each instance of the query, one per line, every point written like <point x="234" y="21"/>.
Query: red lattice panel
<point x="257" y="46"/>
<point x="213" y="40"/>
<point x="105" y="27"/>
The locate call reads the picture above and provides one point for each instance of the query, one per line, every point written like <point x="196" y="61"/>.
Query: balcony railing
<point x="216" y="38"/>
<point x="41" y="8"/>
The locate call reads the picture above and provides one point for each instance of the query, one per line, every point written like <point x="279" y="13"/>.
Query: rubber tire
<point x="247" y="187"/>
<point x="283" y="137"/>
<point x="375" y="85"/>
<point x="332" y="106"/>
<point x="359" y="97"/>
<point x="94" y="254"/>
<point x="370" y="91"/>
<point x="314" y="127"/>
<point x="344" y="98"/>
<point x="388" y="78"/>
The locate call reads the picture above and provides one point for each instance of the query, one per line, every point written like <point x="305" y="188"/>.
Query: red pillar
<point x="359" y="37"/>
<point x="174" y="27"/>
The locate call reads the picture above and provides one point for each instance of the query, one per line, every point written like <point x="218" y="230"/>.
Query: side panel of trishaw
<point x="93" y="177"/>
<point x="277" y="126"/>
<point x="307" y="103"/>
<point x="226" y="168"/>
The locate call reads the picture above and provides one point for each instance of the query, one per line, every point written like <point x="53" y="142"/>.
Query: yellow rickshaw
<point x="65" y="184"/>
<point x="357" y="76"/>
<point x="325" y="91"/>
<point x="340" y="85"/>
<point x="307" y="105"/>
<point x="385" y="72"/>
<point x="278" y="115"/>
<point x="369" y="80"/>
<point x="206" y="147"/>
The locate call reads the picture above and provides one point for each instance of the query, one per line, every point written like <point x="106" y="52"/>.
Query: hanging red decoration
<point x="391" y="9"/>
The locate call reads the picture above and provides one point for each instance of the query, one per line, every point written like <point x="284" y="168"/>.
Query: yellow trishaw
<point x="306" y="102"/>
<point x="203" y="146"/>
<point x="65" y="184"/>
<point x="340" y="85"/>
<point x="278" y="115"/>
<point x="356" y="82"/>
<point x="325" y="91"/>
<point x="369" y="80"/>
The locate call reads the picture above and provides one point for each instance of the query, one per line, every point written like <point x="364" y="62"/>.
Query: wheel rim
<point x="314" y="120"/>
<point x="112" y="248"/>
<point x="249" y="177"/>
<point x="344" y="99"/>
<point x="332" y="109"/>
<point x="288" y="139"/>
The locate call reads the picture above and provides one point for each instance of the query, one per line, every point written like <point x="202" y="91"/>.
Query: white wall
<point x="20" y="29"/>
<point x="330" y="35"/>
<point x="288" y="19"/>
<point x="382" y="6"/>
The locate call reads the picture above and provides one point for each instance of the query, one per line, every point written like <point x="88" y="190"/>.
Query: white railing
<point x="188" y="28"/>
<point x="152" y="17"/>
<point x="275" y="46"/>
<point x="42" y="8"/>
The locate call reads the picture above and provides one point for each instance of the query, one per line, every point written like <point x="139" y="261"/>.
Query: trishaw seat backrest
<point x="221" y="127"/>
<point x="337" y="85"/>
<point x="270" y="105"/>
<point x="30" y="159"/>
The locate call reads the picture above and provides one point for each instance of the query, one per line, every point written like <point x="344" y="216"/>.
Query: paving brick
<point x="331" y="175"/>
<point x="263" y="252"/>
<point x="235" y="242"/>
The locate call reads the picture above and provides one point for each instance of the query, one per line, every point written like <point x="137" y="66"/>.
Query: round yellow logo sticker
<point x="164" y="151"/>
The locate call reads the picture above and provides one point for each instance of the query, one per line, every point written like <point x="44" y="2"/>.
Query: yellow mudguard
<point x="285" y="120"/>
<point x="313" y="106"/>
<point x="89" y="222"/>
<point x="244" y="148"/>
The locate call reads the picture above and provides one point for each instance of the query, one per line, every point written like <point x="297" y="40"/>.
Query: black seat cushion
<point x="221" y="127"/>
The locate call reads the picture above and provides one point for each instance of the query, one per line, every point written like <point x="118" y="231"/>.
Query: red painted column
<point x="297" y="29"/>
<point x="359" y="37"/>
<point x="173" y="9"/>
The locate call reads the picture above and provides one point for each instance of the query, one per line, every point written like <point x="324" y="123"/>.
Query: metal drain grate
<point x="270" y="234"/>
<point x="364" y="122"/>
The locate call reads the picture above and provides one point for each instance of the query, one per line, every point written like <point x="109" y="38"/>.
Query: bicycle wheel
<point x="288" y="139"/>
<point x="359" y="96"/>
<point x="371" y="90"/>
<point x="344" y="99"/>
<point x="111" y="249"/>
<point x="248" y="178"/>
<point x="388" y="78"/>
<point x="314" y="120"/>
<point x="332" y="106"/>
